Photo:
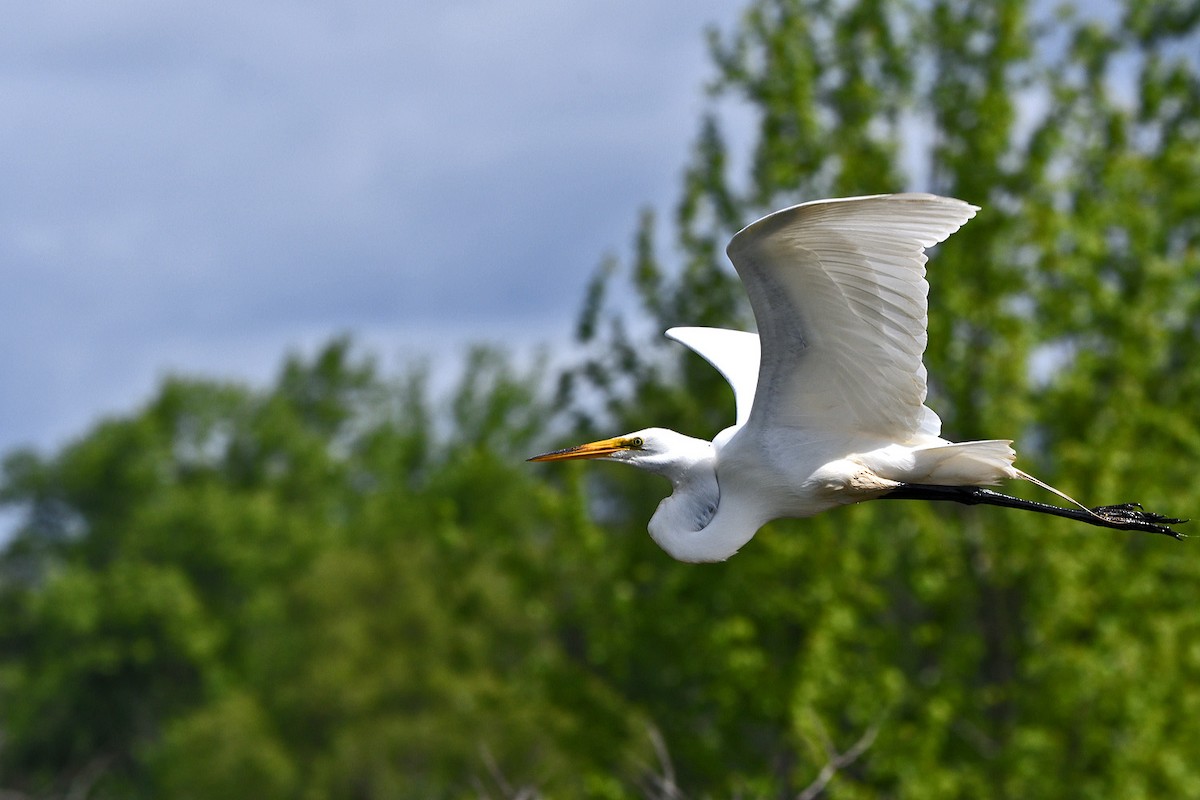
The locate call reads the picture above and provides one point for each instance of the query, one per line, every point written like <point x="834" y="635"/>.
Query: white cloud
<point x="195" y="187"/>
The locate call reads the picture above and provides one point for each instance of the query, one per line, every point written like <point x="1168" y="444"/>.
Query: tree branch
<point x="838" y="761"/>
<point x="664" y="785"/>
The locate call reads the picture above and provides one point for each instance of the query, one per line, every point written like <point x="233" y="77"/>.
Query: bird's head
<point x="656" y="450"/>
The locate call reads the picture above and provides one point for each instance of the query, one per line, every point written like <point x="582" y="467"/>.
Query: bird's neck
<point x="693" y="525"/>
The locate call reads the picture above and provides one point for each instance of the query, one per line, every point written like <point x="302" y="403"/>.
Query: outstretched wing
<point x="839" y="294"/>
<point x="734" y="354"/>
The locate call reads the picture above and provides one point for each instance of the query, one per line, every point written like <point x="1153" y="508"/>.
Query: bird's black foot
<point x="1132" y="517"/>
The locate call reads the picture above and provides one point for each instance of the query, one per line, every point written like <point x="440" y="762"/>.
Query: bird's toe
<point x="1132" y="516"/>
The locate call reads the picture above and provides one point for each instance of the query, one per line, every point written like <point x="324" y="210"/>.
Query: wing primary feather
<point x="839" y="293"/>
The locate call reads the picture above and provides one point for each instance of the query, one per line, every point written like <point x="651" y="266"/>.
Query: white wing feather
<point x="839" y="294"/>
<point x="734" y="354"/>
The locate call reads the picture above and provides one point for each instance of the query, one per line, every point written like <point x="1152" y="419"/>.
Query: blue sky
<point x="198" y="188"/>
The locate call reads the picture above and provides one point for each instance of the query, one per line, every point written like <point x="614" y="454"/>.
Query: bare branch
<point x="507" y="790"/>
<point x="664" y="785"/>
<point x="83" y="783"/>
<point x="838" y="761"/>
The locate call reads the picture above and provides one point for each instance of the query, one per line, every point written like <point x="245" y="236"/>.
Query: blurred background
<point x="293" y="291"/>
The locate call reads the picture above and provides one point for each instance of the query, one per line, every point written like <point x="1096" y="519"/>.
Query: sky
<point x="201" y="188"/>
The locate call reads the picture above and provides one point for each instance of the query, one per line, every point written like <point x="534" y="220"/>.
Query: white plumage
<point x="830" y="393"/>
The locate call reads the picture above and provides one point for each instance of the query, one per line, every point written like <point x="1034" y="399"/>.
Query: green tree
<point x="1006" y="656"/>
<point x="323" y="589"/>
<point x="336" y="586"/>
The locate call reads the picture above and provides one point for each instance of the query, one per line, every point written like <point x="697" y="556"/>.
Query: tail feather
<point x="985" y="462"/>
<point x="981" y="463"/>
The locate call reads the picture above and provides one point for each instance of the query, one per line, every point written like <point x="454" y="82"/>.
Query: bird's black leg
<point x="1125" y="517"/>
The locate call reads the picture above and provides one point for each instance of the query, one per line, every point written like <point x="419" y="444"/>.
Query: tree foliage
<point x="1007" y="656"/>
<point x="300" y="592"/>
<point x="340" y="586"/>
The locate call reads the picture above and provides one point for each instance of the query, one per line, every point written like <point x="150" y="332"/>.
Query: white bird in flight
<point x="830" y="393"/>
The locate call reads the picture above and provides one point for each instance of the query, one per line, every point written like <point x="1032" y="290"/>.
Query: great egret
<point x="830" y="393"/>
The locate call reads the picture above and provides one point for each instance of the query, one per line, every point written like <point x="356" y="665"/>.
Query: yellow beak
<point x="600" y="449"/>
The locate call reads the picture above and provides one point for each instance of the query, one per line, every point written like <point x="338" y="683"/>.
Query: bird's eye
<point x="636" y="442"/>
